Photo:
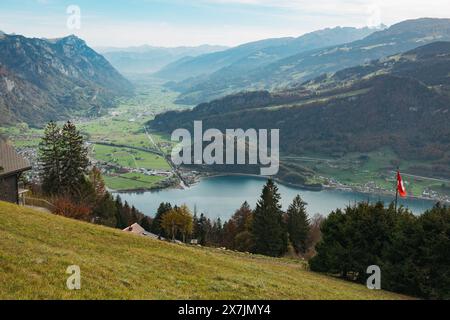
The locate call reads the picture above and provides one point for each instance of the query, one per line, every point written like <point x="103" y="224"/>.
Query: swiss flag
<point x="400" y="186"/>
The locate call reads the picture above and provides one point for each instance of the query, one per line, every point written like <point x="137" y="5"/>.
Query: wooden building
<point x="12" y="165"/>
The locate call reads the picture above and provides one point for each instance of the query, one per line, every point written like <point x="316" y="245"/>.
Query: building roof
<point x="10" y="161"/>
<point x="137" y="229"/>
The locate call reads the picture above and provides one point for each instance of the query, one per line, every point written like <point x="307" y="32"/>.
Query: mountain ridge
<point x="258" y="53"/>
<point x="52" y="79"/>
<point x="304" y="66"/>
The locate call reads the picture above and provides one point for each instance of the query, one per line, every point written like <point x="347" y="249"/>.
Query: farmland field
<point x="132" y="181"/>
<point x="130" y="158"/>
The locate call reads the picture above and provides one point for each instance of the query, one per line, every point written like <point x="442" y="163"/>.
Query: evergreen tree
<point x="433" y="258"/>
<point x="125" y="212"/>
<point x="195" y="221"/>
<point x="202" y="229"/>
<point x="298" y="225"/>
<point x="50" y="153"/>
<point x="74" y="159"/>
<point x="121" y="223"/>
<point x="134" y="215"/>
<point x="105" y="212"/>
<point x="146" y="223"/>
<point x="217" y="232"/>
<point x="156" y="224"/>
<point x="268" y="227"/>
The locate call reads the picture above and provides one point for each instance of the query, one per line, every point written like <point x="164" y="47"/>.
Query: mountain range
<point x="52" y="79"/>
<point x="190" y="72"/>
<point x="401" y="102"/>
<point x="308" y="64"/>
<point x="148" y="59"/>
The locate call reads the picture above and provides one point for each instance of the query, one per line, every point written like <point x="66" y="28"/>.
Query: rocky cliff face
<point x="43" y="80"/>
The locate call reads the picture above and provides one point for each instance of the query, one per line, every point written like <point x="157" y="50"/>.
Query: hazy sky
<point x="193" y="22"/>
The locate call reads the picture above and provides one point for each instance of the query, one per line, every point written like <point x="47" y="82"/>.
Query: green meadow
<point x="36" y="252"/>
<point x="132" y="181"/>
<point x="130" y="158"/>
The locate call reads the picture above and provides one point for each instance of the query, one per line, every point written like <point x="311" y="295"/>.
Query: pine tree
<point x="74" y="159"/>
<point x="135" y="216"/>
<point x="298" y="225"/>
<point x="105" y="211"/>
<point x="203" y="228"/>
<point x="126" y="214"/>
<point x="196" y="222"/>
<point x="268" y="228"/>
<point x="121" y="221"/>
<point x="146" y="223"/>
<point x="217" y="232"/>
<point x="156" y="224"/>
<point x="50" y="153"/>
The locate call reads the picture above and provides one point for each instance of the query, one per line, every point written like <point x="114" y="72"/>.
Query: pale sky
<point x="170" y="23"/>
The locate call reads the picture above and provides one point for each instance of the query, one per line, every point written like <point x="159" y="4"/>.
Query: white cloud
<point x="279" y="18"/>
<point x="391" y="10"/>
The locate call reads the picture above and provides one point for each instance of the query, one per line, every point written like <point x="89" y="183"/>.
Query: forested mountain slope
<point x="42" y="79"/>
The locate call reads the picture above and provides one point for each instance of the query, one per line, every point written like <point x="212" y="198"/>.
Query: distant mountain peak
<point x="72" y="40"/>
<point x="54" y="78"/>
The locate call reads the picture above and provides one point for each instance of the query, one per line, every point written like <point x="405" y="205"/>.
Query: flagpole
<point x="396" y="188"/>
<point x="396" y="198"/>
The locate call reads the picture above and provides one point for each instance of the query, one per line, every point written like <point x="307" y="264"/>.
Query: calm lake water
<point x="221" y="196"/>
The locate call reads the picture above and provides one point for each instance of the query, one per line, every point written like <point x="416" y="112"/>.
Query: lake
<point x="222" y="196"/>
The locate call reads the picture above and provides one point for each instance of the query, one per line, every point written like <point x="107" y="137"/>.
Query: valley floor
<point x="36" y="248"/>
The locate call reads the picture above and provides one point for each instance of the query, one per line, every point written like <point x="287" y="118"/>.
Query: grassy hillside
<point x="36" y="248"/>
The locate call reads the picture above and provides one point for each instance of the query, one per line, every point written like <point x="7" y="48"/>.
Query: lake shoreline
<point x="323" y="187"/>
<point x="204" y="176"/>
<point x="221" y="195"/>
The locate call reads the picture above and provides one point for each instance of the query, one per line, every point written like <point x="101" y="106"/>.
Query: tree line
<point x="413" y="252"/>
<point x="265" y="230"/>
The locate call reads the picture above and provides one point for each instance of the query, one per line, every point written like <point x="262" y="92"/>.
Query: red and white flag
<point x="400" y="186"/>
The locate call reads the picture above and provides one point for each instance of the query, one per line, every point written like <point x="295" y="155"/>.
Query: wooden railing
<point x="36" y="202"/>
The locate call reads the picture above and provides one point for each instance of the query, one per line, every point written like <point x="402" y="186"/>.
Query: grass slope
<point x="36" y="248"/>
